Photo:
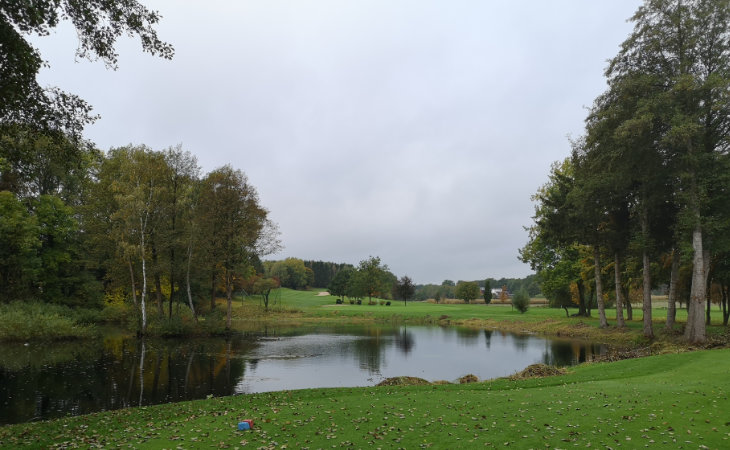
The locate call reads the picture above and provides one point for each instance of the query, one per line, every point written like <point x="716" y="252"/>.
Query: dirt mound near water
<point x="538" y="371"/>
<point x="403" y="381"/>
<point x="471" y="378"/>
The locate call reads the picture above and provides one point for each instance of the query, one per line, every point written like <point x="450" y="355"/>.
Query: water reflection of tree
<point x="520" y="341"/>
<point x="488" y="337"/>
<point x="369" y="352"/>
<point x="120" y="373"/>
<point x="566" y="353"/>
<point x="468" y="336"/>
<point x="404" y="340"/>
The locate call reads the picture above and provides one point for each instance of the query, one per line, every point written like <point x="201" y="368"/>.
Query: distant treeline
<point x="324" y="271"/>
<point x="447" y="289"/>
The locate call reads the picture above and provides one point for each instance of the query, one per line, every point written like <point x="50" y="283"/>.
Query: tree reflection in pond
<point x="112" y="374"/>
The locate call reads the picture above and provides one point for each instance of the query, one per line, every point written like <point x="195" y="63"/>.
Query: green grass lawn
<point x="666" y="401"/>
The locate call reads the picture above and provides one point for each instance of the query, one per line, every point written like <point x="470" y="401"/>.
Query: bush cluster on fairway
<point x="521" y="301"/>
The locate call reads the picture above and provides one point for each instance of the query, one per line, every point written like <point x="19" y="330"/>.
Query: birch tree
<point x="137" y="192"/>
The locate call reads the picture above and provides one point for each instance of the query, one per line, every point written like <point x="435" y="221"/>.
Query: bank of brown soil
<point x="538" y="371"/>
<point x="403" y="381"/>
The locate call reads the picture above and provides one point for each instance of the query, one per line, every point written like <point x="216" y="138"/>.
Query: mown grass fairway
<point x="666" y="401"/>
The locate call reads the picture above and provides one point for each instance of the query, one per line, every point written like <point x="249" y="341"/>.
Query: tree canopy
<point x="98" y="24"/>
<point x="648" y="179"/>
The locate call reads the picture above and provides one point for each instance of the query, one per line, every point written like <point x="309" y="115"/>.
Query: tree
<point x="236" y="225"/>
<point x="553" y="249"/>
<point x="683" y="45"/>
<point x="291" y="273"/>
<point x="36" y="163"/>
<point x="19" y="243"/>
<point x="405" y="289"/>
<point x="130" y="191"/>
<point x="487" y="291"/>
<point x="521" y="301"/>
<point x="371" y="274"/>
<point x="98" y="24"/>
<point x="339" y="284"/>
<point x="179" y="178"/>
<point x="263" y="287"/>
<point x="467" y="290"/>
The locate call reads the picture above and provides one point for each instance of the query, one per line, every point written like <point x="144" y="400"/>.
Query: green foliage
<point x="24" y="321"/>
<point x="291" y="273"/>
<point x="521" y="301"/>
<point x="372" y="277"/>
<point x="263" y="287"/>
<point x="404" y="288"/>
<point x="19" y="244"/>
<point x="324" y="272"/>
<point x="341" y="281"/>
<point x="98" y="25"/>
<point x="467" y="290"/>
<point x="487" y="291"/>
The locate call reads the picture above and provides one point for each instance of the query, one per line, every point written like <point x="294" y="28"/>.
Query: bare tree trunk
<point x="646" y="282"/>
<point x="581" y="299"/>
<point x="144" y="278"/>
<point x="599" y="287"/>
<point x="708" y="285"/>
<point x="695" y="331"/>
<point x="141" y="373"/>
<point x="134" y="285"/>
<point x="619" y="295"/>
<point x="229" y="298"/>
<point x="173" y="267"/>
<point x="172" y="290"/>
<point x="646" y="304"/>
<point x="673" y="281"/>
<point x="158" y="282"/>
<point x="725" y="290"/>
<point x="212" y="290"/>
<point x="187" y="282"/>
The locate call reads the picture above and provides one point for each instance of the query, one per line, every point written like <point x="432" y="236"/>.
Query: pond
<point x="44" y="381"/>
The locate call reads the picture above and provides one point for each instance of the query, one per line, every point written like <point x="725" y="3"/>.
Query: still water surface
<point x="54" y="380"/>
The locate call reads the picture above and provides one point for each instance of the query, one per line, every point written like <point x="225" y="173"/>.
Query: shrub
<point x="213" y="322"/>
<point x="338" y="301"/>
<point x="23" y="321"/>
<point x="173" y="327"/>
<point x="382" y="302"/>
<point x="521" y="301"/>
<point x="352" y="302"/>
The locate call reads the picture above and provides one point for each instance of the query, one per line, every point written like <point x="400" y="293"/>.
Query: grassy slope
<point x="667" y="401"/>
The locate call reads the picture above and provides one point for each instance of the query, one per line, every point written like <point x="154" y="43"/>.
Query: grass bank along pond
<point x="665" y="401"/>
<point x="42" y="381"/>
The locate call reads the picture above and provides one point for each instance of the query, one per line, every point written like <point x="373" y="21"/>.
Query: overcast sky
<point x="411" y="130"/>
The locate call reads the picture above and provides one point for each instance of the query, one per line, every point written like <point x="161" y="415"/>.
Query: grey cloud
<point x="412" y="130"/>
